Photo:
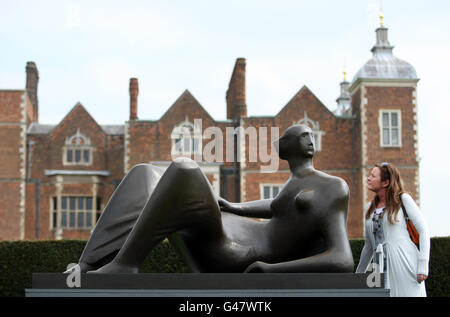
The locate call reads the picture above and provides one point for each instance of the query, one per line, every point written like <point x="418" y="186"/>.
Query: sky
<point x="86" y="51"/>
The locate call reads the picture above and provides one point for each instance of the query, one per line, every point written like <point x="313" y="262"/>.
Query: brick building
<point x="56" y="179"/>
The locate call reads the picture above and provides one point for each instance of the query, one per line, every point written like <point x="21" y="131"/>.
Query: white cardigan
<point x="404" y="260"/>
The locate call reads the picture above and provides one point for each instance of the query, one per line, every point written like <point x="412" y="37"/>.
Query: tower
<point x="344" y="99"/>
<point x="383" y="94"/>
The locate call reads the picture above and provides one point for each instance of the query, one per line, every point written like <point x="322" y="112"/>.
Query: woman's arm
<point x="255" y="209"/>
<point x="366" y="255"/>
<point x="367" y="251"/>
<point x="422" y="229"/>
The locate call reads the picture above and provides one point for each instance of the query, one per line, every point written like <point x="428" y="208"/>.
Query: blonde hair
<point x="393" y="191"/>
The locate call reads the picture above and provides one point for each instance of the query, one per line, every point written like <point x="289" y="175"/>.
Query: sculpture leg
<point x="119" y="216"/>
<point x="172" y="207"/>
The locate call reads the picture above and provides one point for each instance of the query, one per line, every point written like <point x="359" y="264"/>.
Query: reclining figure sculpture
<point x="306" y="230"/>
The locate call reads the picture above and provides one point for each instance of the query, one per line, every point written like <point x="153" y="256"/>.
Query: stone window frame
<point x="76" y="211"/>
<point x="78" y="142"/>
<point x="57" y="222"/>
<point x="315" y="127"/>
<point x="390" y="127"/>
<point x="74" y="149"/>
<point x="186" y="131"/>
<point x="271" y="186"/>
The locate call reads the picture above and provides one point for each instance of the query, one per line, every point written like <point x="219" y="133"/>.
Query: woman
<point x="385" y="230"/>
<point x="306" y="231"/>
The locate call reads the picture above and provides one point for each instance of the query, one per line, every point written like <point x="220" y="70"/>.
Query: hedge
<point x="19" y="259"/>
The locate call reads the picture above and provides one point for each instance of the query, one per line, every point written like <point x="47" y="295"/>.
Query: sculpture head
<point x="296" y="141"/>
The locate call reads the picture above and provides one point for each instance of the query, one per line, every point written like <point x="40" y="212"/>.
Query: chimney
<point x="134" y="92"/>
<point x="236" y="105"/>
<point x="32" y="86"/>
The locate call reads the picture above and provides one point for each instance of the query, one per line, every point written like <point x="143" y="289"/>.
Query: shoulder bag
<point x="413" y="234"/>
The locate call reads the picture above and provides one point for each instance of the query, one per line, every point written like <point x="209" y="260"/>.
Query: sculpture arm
<point x="255" y="209"/>
<point x="338" y="257"/>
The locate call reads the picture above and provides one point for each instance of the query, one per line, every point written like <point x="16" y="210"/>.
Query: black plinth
<point x="206" y="285"/>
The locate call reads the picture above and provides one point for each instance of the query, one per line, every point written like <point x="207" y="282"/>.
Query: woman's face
<point x="374" y="182"/>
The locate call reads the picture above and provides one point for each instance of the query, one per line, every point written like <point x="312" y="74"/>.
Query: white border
<point x="380" y="126"/>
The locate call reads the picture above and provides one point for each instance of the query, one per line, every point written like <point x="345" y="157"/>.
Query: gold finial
<point x="381" y="13"/>
<point x="344" y="69"/>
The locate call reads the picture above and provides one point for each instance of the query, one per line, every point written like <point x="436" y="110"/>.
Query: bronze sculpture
<point x="306" y="231"/>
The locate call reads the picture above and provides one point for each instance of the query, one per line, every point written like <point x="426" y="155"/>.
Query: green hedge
<point x="19" y="259"/>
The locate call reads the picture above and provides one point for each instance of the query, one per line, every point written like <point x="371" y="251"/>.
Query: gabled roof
<point x="78" y="107"/>
<point x="186" y="94"/>
<point x="304" y="90"/>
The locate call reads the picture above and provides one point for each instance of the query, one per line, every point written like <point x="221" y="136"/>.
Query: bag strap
<point x="403" y="208"/>
<point x="404" y="211"/>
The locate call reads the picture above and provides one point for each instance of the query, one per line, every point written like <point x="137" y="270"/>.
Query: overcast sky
<point x="86" y="51"/>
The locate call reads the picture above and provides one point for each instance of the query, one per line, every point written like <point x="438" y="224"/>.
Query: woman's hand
<point x="258" y="267"/>
<point x="226" y="206"/>
<point x="421" y="277"/>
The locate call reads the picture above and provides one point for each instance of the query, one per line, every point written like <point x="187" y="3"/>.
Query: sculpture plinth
<point x="208" y="285"/>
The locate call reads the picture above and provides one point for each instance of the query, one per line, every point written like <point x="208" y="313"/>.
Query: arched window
<point x="77" y="150"/>
<point x="186" y="139"/>
<point x="314" y="125"/>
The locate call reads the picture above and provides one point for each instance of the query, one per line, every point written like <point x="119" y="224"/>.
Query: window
<point x="317" y="133"/>
<point x="76" y="212"/>
<point x="269" y="191"/>
<point x="99" y="209"/>
<point x="54" y="212"/>
<point x="78" y="156"/>
<point x="77" y="150"/>
<point x="186" y="139"/>
<point x="390" y="128"/>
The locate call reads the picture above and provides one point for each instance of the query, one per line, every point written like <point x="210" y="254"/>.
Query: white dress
<point x="404" y="260"/>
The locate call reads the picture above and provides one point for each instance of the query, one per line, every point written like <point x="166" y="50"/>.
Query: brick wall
<point x="10" y="144"/>
<point x="404" y="157"/>
<point x="10" y="102"/>
<point x="9" y="211"/>
<point x="144" y="144"/>
<point x="13" y="105"/>
<point x="114" y="153"/>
